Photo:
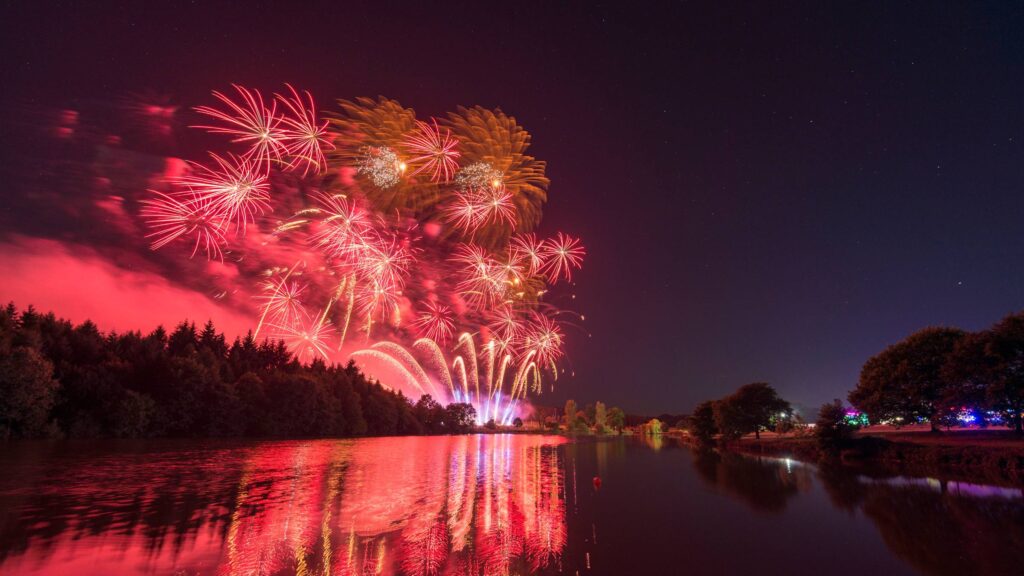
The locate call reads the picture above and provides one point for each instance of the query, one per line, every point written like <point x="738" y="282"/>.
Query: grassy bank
<point x="980" y="456"/>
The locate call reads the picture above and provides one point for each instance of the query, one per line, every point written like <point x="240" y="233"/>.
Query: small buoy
<point x="597" y="482"/>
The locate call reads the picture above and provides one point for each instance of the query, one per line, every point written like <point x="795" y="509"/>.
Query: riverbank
<point x="992" y="456"/>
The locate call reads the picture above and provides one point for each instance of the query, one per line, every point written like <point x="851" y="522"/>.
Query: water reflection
<point x="762" y="485"/>
<point x="474" y="505"/>
<point x="428" y="505"/>
<point x="938" y="527"/>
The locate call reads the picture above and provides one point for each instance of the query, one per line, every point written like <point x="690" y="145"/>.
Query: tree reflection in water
<point x="417" y="505"/>
<point x="940" y="528"/>
<point x="764" y="485"/>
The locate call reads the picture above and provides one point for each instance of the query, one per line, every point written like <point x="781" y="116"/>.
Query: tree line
<point x="751" y="409"/>
<point x="942" y="376"/>
<point x="74" y="381"/>
<point x="936" y="374"/>
<point x="591" y="418"/>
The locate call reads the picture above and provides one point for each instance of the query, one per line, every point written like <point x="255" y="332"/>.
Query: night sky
<point x="766" y="193"/>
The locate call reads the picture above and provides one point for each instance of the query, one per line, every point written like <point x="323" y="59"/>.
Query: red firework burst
<point x="561" y="255"/>
<point x="304" y="137"/>
<point x="236" y="188"/>
<point x="378" y="299"/>
<point x="387" y="264"/>
<point x="497" y="203"/>
<point x="464" y="212"/>
<point x="250" y="122"/>
<point x="306" y="338"/>
<point x="170" y="217"/>
<point x="527" y="249"/>
<point x="346" y="230"/>
<point x="432" y="151"/>
<point x="507" y="326"/>
<point x="282" y="302"/>
<point x="435" y="322"/>
<point x="544" y="338"/>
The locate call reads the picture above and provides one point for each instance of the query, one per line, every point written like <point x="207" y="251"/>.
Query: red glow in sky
<point x="79" y="284"/>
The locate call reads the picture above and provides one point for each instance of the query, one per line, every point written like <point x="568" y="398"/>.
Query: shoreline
<point x="930" y="456"/>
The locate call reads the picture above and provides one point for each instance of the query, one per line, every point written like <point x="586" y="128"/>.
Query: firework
<point x="432" y="151"/>
<point x="508" y="326"/>
<point x="282" y="302"/>
<point x="250" y="122"/>
<point x="481" y="281"/>
<point x="479" y="175"/>
<point x="346" y="230"/>
<point x="493" y="380"/>
<point x="435" y="322"/>
<point x="235" y="188"/>
<point x="544" y="339"/>
<point x="304" y="137"/>
<point x="307" y="338"/>
<point x="377" y="299"/>
<point x="387" y="264"/>
<point x="493" y="148"/>
<point x="171" y="217"/>
<point x="526" y="248"/>
<point x="382" y="166"/>
<point x="389" y="217"/>
<point x="464" y="212"/>
<point x="562" y="254"/>
<point x="498" y="207"/>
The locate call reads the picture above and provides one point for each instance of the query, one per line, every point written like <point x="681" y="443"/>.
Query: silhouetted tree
<point x="600" y="418"/>
<point x="27" y="393"/>
<point x="702" y="423"/>
<point x="570" y="414"/>
<point x="986" y="369"/>
<point x="749" y="409"/>
<point x="430" y="413"/>
<point x="459" y="417"/>
<point x="617" y="418"/>
<point x="906" y="380"/>
<point x="589" y="411"/>
<point x="58" y="378"/>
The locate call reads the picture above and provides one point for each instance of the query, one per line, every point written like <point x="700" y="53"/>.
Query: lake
<point x="487" y="504"/>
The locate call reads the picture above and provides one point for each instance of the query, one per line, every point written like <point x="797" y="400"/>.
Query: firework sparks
<point x="526" y="248"/>
<point x="480" y="175"/>
<point x="507" y="326"/>
<point x="387" y="264"/>
<point x="382" y="166"/>
<point x="377" y="299"/>
<point x="464" y="212"/>
<point x="304" y="137"/>
<point x="346" y="230"/>
<point x="361" y="241"/>
<point x="544" y="339"/>
<point x="307" y="339"/>
<point x="562" y="254"/>
<point x="282" y="302"/>
<point x="435" y="322"/>
<point x="170" y="217"/>
<point x="432" y="151"/>
<point x="235" y="189"/>
<point x="250" y="122"/>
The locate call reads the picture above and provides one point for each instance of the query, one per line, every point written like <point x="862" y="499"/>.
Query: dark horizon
<point x="764" y="195"/>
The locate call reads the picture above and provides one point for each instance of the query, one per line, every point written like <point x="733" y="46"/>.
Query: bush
<point x="832" y="429"/>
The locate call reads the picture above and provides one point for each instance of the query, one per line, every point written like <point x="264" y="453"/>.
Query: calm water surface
<point x="482" y="505"/>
